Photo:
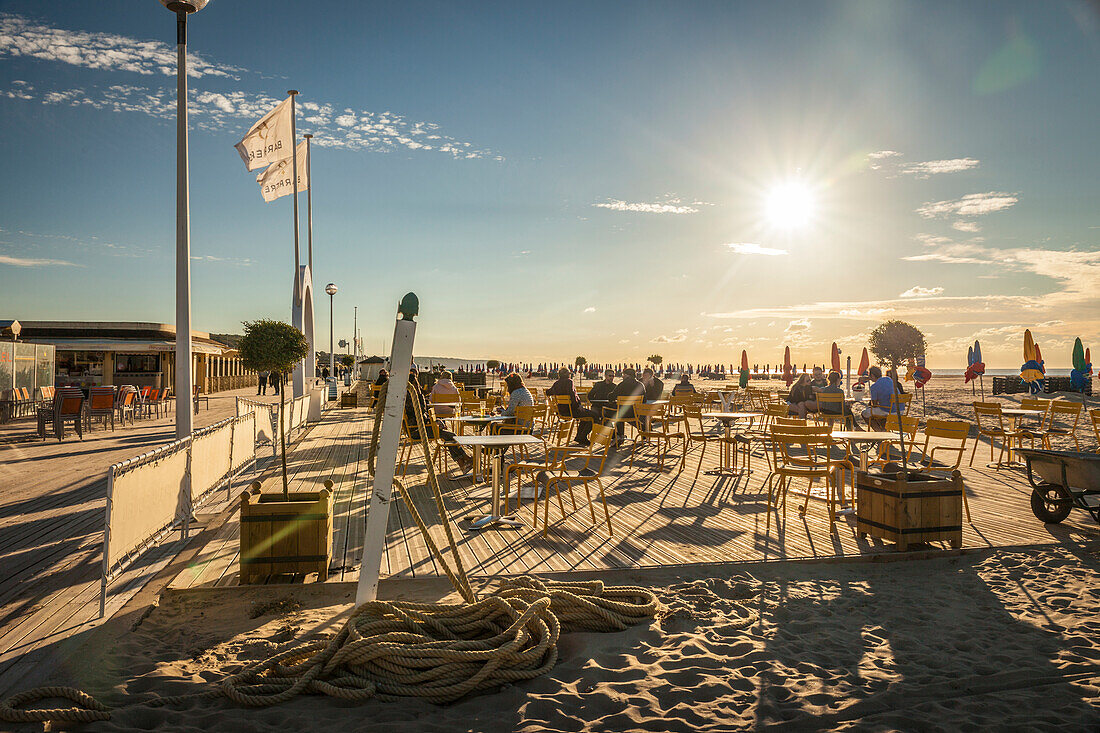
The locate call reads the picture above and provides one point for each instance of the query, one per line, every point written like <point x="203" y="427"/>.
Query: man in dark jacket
<point x="654" y="387"/>
<point x="629" y="387"/>
<point x="599" y="397"/>
<point x="574" y="410"/>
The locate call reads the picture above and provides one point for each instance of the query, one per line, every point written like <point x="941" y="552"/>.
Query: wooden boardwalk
<point x="660" y="517"/>
<point x="51" y="531"/>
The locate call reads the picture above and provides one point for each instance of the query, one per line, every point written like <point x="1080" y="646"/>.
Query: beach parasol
<point x="743" y="380"/>
<point x="921" y="375"/>
<point x="975" y="367"/>
<point x="910" y="369"/>
<point x="1077" y="375"/>
<point x="835" y="358"/>
<point x="788" y="370"/>
<point x="1032" y="369"/>
<point x="864" y="367"/>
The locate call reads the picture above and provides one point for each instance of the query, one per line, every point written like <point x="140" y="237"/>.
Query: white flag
<point x="269" y="140"/>
<point x="276" y="182"/>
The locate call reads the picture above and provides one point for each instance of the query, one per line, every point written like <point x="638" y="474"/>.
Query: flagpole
<point x="184" y="371"/>
<point x="309" y="200"/>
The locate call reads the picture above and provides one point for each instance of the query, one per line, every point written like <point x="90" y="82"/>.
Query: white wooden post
<point x="374" y="537"/>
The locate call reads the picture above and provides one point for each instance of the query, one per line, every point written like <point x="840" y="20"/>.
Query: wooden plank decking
<point x="664" y="517"/>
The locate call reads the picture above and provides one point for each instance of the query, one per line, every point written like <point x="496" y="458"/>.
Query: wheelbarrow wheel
<point x="1050" y="504"/>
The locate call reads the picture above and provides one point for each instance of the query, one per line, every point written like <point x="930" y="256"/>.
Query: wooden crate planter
<point x="280" y="536"/>
<point x="920" y="508"/>
<point x="349" y="399"/>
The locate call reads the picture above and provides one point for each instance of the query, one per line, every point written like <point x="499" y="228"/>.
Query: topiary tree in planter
<point x="273" y="346"/>
<point x="895" y="342"/>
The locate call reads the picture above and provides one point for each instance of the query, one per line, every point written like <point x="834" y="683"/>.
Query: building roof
<point x="124" y="336"/>
<point x="373" y="360"/>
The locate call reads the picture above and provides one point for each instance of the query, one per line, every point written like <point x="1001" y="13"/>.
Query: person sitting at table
<point x="518" y="396"/>
<point x="818" y="380"/>
<point x="628" y="387"/>
<point x="445" y="386"/>
<point x="829" y="408"/>
<point x="413" y="392"/>
<point x="882" y="389"/>
<point x="801" y="397"/>
<point x="584" y="417"/>
<point x="600" y="395"/>
<point x="654" y="387"/>
<point x="684" y="386"/>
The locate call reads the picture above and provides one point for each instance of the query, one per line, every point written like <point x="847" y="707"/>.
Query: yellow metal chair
<point x="907" y="426"/>
<point x="1095" y="415"/>
<point x="1070" y="412"/>
<point x="990" y="421"/>
<point x="557" y="451"/>
<point x="656" y="423"/>
<point x="951" y="437"/>
<point x="595" y="459"/>
<point x="816" y="462"/>
<point x="835" y="402"/>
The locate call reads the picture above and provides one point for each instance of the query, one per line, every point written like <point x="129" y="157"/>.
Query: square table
<point x="727" y="455"/>
<point x="1016" y="413"/>
<point x="494" y="444"/>
<point x="478" y="421"/>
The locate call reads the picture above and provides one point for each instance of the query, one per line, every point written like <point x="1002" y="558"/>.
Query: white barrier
<point x="265" y="417"/>
<point x="244" y="450"/>
<point x="211" y="457"/>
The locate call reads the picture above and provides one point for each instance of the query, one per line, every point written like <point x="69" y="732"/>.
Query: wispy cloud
<point x="590" y="309"/>
<point x="918" y="292"/>
<point x="875" y="160"/>
<point x="931" y="167"/>
<point x="239" y="261"/>
<point x="972" y="204"/>
<point x="35" y="262"/>
<point x="331" y="126"/>
<point x="662" y="339"/>
<point x="21" y="37"/>
<point x="966" y="226"/>
<point x="669" y="205"/>
<point x="750" y="248"/>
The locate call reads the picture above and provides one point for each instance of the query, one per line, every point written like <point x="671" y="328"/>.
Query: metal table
<point x="726" y="456"/>
<point x="494" y="444"/>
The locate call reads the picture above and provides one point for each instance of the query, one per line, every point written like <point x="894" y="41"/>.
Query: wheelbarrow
<point x="1061" y="480"/>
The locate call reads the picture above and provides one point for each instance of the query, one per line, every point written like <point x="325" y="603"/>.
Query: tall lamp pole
<point x="184" y="376"/>
<point x="331" y="290"/>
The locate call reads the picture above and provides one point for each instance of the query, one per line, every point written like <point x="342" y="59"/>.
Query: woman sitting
<point x="445" y="386"/>
<point x="518" y="396"/>
<point x="801" y="399"/>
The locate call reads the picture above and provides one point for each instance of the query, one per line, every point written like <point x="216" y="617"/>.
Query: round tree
<point x="273" y="346"/>
<point x="347" y="360"/>
<point x="895" y="342"/>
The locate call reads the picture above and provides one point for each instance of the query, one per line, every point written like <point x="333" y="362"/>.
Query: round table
<point x="727" y="456"/>
<point x="494" y="444"/>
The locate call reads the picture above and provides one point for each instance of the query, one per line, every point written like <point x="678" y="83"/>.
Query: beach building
<point x="90" y="353"/>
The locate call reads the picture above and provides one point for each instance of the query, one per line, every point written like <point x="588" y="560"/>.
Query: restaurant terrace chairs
<point x="46" y="400"/>
<point x="564" y="404"/>
<point x="950" y="437"/>
<point x="838" y="413"/>
<point x="1095" y="415"/>
<point x="657" y="424"/>
<point x="409" y="445"/>
<point x="695" y="432"/>
<point x="198" y="396"/>
<point x="167" y="401"/>
<point x="904" y="400"/>
<point x="627" y="415"/>
<point x="446" y="405"/>
<point x="557" y="451"/>
<point x="805" y="452"/>
<point x="1063" y="419"/>
<point x="471" y="405"/>
<point x="990" y="422"/>
<point x="100" y="404"/>
<point x="1041" y="404"/>
<point x="125" y="404"/>
<point x="68" y="407"/>
<point x="595" y="458"/>
<point x="895" y="423"/>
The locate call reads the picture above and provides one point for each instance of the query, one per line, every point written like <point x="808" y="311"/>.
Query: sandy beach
<point x="988" y="640"/>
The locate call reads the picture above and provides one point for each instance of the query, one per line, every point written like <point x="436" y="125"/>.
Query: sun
<point x="789" y="205"/>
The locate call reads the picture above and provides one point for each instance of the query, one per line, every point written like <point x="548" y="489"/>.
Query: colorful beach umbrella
<point x="1032" y="369"/>
<point x="910" y="368"/>
<point x="921" y="373"/>
<point x="788" y="370"/>
<point x="1077" y="375"/>
<point x="743" y="379"/>
<point x="835" y="358"/>
<point x="974" y="365"/>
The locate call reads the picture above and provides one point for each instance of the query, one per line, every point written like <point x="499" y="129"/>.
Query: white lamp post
<point x="184" y="376"/>
<point x="331" y="290"/>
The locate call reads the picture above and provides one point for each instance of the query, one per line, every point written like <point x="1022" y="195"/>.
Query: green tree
<point x="347" y="360"/>
<point x="492" y="364"/>
<point x="273" y="346"/>
<point x="895" y="342"/>
<point x="656" y="359"/>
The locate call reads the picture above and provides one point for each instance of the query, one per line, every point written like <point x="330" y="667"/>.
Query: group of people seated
<point x="803" y="399"/>
<point x="603" y="398"/>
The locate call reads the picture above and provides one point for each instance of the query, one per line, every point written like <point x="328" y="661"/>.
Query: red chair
<point x="101" y="404"/>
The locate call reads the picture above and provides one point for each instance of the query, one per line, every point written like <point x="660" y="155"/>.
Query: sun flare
<point x="789" y="205"/>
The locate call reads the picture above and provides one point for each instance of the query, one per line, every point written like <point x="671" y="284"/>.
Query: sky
<point x="611" y="180"/>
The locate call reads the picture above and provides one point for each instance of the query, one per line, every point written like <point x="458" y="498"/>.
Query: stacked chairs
<point x="100" y="404"/>
<point x="68" y="407"/>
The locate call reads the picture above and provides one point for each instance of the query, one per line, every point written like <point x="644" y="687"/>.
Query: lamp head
<point x="331" y="288"/>
<point x="187" y="6"/>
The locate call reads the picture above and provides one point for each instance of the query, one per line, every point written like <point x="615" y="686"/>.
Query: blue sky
<point x="574" y="178"/>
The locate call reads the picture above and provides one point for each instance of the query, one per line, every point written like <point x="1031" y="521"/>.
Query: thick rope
<point x="399" y="649"/>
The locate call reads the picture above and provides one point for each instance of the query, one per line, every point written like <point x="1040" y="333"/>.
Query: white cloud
<point x="669" y="205"/>
<point x="236" y="111"/>
<point x="21" y="37"/>
<point x="875" y="159"/>
<point x="668" y="339"/>
<point x="798" y="325"/>
<point x="973" y="204"/>
<point x="240" y="261"/>
<point x="34" y="262"/>
<point x="590" y="309"/>
<point x="966" y="226"/>
<point x="932" y="167"/>
<point x="918" y="292"/>
<point x="750" y="248"/>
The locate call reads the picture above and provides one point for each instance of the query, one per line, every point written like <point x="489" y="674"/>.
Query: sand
<point x="989" y="640"/>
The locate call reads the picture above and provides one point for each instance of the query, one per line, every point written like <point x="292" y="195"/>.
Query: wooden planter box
<point x="280" y="536"/>
<point x="349" y="399"/>
<point x="921" y="508"/>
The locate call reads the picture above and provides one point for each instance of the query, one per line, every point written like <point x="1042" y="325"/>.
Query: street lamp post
<point x="331" y="290"/>
<point x="184" y="368"/>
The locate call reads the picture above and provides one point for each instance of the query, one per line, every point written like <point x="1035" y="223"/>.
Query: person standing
<point x="261" y="383"/>
<point x="275" y="379"/>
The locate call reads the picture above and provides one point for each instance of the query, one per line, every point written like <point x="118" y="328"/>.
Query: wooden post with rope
<point x="374" y="538"/>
